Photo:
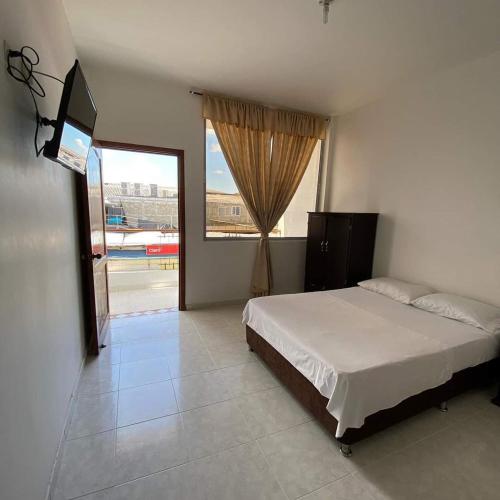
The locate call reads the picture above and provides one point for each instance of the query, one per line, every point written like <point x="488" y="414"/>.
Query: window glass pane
<point x="226" y="213"/>
<point x="222" y="196"/>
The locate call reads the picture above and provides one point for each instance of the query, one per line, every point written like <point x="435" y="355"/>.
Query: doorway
<point x="143" y="191"/>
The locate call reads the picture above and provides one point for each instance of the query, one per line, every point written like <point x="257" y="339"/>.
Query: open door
<point x="93" y="251"/>
<point x="178" y="154"/>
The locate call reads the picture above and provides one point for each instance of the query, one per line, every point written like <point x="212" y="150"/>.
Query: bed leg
<point x="345" y="449"/>
<point x="443" y="406"/>
<point x="250" y="349"/>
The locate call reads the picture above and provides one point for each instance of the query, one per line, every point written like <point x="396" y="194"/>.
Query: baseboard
<point x="203" y="305"/>
<point x="243" y="300"/>
<point x="69" y="410"/>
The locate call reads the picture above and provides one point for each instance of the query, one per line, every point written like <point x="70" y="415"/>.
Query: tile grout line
<point x="180" y="412"/>
<point x="256" y="441"/>
<point x="189" y="461"/>
<point x="117" y="405"/>
<point x="232" y="397"/>
<point x="270" y="468"/>
<point x="388" y="454"/>
<point x="349" y="474"/>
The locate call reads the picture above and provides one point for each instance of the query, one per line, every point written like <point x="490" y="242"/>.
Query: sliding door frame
<point x="181" y="201"/>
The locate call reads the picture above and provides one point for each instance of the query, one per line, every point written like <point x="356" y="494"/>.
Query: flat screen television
<point x="75" y="123"/>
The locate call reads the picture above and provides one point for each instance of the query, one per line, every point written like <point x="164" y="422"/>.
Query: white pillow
<point x="468" y="311"/>
<point x="396" y="289"/>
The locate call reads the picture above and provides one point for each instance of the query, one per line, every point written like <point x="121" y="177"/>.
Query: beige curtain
<point x="267" y="152"/>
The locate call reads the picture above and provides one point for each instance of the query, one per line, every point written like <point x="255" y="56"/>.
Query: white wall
<point x="428" y="159"/>
<point x="41" y="345"/>
<point x="140" y="110"/>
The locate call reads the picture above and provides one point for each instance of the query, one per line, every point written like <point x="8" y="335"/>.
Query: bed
<point x="360" y="361"/>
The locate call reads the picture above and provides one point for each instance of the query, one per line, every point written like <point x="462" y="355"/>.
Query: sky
<point x="146" y="168"/>
<point x="75" y="140"/>
<point x="219" y="177"/>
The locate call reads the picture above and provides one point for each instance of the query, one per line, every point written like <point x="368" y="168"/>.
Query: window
<point x="137" y="189"/>
<point x="124" y="186"/>
<point x="226" y="213"/>
<point x="154" y="190"/>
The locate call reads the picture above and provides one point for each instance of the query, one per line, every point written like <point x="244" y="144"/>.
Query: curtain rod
<point x="197" y="92"/>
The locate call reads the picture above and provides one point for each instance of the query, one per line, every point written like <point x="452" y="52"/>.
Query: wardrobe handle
<point x="326" y="246"/>
<point x="322" y="249"/>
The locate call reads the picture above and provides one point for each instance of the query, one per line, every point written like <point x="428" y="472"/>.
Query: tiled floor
<point x="133" y="289"/>
<point x="176" y="408"/>
<point x="143" y="299"/>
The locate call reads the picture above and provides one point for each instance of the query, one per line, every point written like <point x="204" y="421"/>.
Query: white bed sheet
<point x="364" y="351"/>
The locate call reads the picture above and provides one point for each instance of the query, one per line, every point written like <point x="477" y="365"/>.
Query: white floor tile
<point x="146" y="402"/>
<point x="200" y="389"/>
<point x="87" y="465"/>
<point x="98" y="378"/>
<point x="214" y="428"/>
<point x="146" y="371"/>
<point x="219" y="336"/>
<point x="173" y="484"/>
<point x="187" y="343"/>
<point x="271" y="411"/>
<point x="115" y="457"/>
<point x="239" y="473"/>
<point x="93" y="414"/>
<point x="111" y="355"/>
<point x="149" y="447"/>
<point x="248" y="378"/>
<point x="137" y="351"/>
<point x="231" y="354"/>
<point x="303" y="459"/>
<point x="182" y="364"/>
<point x="346" y="488"/>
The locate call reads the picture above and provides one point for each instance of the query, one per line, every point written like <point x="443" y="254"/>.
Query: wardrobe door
<point x="337" y="250"/>
<point x="315" y="255"/>
<point x="364" y="229"/>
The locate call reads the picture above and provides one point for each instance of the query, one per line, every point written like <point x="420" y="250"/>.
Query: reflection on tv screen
<point x="74" y="147"/>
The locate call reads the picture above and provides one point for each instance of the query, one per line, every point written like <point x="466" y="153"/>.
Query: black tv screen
<point x="75" y="122"/>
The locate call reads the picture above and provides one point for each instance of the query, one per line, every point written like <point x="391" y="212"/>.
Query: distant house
<point x="227" y="214"/>
<point x="225" y="208"/>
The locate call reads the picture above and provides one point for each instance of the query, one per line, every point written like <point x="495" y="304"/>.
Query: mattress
<point x="364" y="351"/>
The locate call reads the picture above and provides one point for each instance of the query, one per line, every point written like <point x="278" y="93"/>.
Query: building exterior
<point x="141" y="206"/>
<point x="132" y="205"/>
<point x="224" y="209"/>
<point x="72" y="157"/>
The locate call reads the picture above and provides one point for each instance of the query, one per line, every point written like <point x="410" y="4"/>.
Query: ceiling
<point x="279" y="52"/>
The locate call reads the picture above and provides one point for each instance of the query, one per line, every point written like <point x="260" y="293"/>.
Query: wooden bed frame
<point x="313" y="401"/>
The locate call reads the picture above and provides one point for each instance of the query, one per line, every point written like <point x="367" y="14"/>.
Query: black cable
<point x="49" y="76"/>
<point x="26" y="76"/>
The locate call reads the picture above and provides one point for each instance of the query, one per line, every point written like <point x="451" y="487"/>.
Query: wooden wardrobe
<point x="339" y="249"/>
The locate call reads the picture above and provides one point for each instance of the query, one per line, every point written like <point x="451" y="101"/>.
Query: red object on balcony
<point x="163" y="249"/>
